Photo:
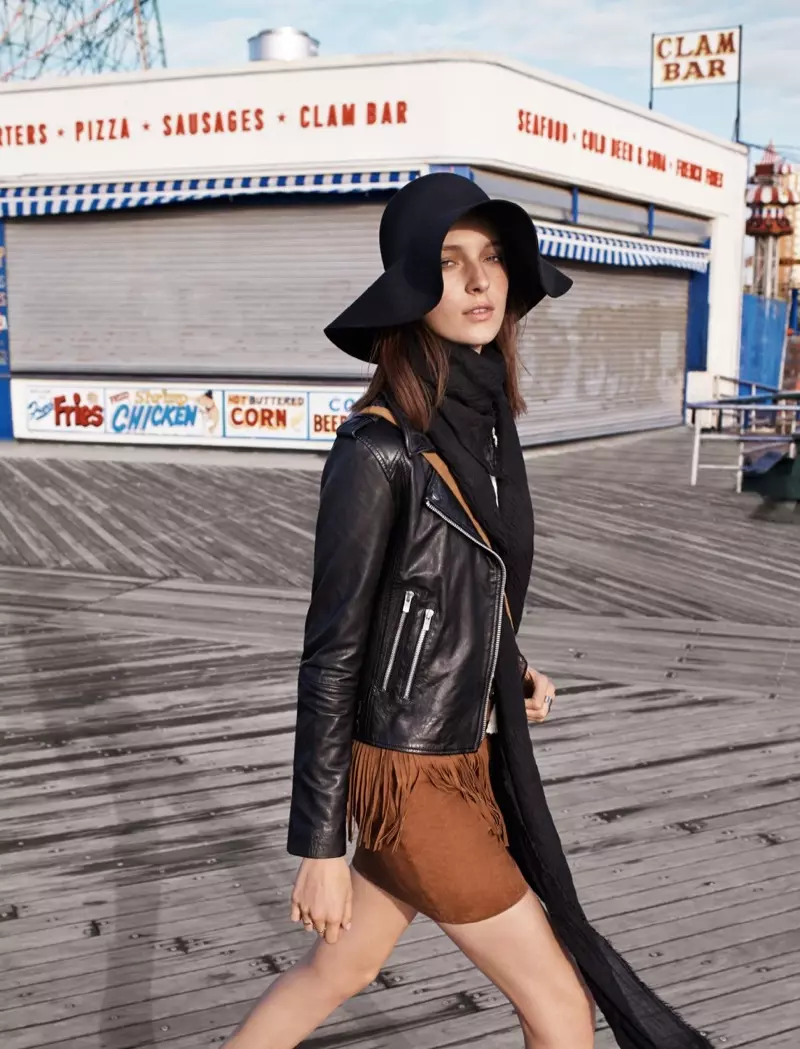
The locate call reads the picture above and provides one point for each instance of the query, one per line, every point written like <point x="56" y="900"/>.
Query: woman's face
<point x="473" y="303"/>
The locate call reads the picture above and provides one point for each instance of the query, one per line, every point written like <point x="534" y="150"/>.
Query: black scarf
<point x="475" y="404"/>
<point x="461" y="430"/>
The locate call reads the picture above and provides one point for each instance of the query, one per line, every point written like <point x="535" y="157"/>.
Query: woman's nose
<point x="478" y="279"/>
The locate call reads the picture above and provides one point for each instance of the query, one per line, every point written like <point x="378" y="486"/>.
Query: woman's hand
<point x="537" y="688"/>
<point x="322" y="898"/>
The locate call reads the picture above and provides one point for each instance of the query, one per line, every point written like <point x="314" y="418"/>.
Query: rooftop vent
<point x="284" y="45"/>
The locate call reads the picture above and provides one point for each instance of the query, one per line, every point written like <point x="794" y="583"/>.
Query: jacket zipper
<point x="409" y="597"/>
<point x="426" y="625"/>
<point x="498" y="612"/>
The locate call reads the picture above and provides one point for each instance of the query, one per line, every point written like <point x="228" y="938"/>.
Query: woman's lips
<point x="480" y="313"/>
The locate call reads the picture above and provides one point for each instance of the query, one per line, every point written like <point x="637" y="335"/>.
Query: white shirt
<point x="492" y="726"/>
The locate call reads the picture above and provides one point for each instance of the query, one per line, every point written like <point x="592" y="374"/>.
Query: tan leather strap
<point x="376" y="409"/>
<point x="441" y="467"/>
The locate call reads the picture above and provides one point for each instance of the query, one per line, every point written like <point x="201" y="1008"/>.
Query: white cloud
<point x="215" y="43"/>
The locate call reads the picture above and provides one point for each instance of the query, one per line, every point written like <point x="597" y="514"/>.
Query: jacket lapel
<point x="443" y="494"/>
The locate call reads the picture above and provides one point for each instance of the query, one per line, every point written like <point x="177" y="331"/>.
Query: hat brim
<point x="412" y="286"/>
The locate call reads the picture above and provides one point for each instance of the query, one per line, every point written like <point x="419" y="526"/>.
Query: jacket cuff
<point x="523" y="664"/>
<point x="316" y="846"/>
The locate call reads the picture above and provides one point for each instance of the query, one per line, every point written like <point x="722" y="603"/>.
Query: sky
<point x="602" y="43"/>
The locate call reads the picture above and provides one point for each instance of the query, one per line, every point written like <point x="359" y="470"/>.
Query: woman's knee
<point x="567" y="1021"/>
<point x="341" y="977"/>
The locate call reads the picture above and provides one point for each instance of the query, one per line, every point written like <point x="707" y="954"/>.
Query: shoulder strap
<point x="441" y="467"/>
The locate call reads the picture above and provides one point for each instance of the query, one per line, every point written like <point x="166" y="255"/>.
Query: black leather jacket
<point x="403" y="628"/>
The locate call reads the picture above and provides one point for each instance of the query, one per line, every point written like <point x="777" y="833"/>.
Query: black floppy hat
<point x="413" y="227"/>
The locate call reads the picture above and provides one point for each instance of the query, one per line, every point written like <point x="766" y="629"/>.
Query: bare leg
<point x="523" y="958"/>
<point x="300" y="999"/>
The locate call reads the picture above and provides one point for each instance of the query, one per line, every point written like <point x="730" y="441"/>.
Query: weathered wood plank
<point x="148" y="653"/>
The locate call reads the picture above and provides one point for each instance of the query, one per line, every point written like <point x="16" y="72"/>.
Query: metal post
<point x="6" y="428"/>
<point x="738" y="126"/>
<point x="160" y="30"/>
<point x="696" y="446"/>
<point x="144" y="43"/>
<point x="653" y="65"/>
<point x="768" y="267"/>
<point x="739" y="468"/>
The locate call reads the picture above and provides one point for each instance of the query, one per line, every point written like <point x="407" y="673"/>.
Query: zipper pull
<point x="426" y="623"/>
<point x="408" y="597"/>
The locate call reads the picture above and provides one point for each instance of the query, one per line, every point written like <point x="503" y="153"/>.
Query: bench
<point x="743" y="434"/>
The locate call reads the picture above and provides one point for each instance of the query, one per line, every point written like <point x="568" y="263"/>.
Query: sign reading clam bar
<point x="711" y="56"/>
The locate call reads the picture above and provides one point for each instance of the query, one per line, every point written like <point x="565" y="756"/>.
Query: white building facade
<point x="172" y="244"/>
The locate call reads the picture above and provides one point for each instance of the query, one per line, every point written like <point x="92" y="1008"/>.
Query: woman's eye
<point x="495" y="258"/>
<point x="446" y="262"/>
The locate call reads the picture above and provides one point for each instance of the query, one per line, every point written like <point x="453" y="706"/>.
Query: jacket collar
<point x="415" y="440"/>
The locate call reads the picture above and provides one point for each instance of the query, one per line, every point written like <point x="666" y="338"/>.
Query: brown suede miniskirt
<point x="449" y="864"/>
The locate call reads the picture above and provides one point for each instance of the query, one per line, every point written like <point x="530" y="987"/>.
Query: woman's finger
<point x="319" y="925"/>
<point x="544" y="687"/>
<point x="538" y="707"/>
<point x="347" y="916"/>
<point x="295" y="911"/>
<point x="535" y="715"/>
<point x="307" y="920"/>
<point x="332" y="931"/>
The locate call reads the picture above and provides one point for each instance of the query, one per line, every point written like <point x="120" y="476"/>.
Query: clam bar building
<point x="173" y="243"/>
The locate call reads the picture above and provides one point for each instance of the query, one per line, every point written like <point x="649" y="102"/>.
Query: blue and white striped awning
<point x="23" y="201"/>
<point x="562" y="242"/>
<point x="556" y="241"/>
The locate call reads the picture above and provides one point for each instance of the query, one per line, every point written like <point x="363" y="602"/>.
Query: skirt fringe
<point x="381" y="782"/>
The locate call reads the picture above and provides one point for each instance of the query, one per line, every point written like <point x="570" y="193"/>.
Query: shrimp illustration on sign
<point x="208" y="407"/>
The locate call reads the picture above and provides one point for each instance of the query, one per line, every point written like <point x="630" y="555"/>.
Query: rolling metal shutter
<point x="246" y="290"/>
<point x="608" y="357"/>
<point x="190" y="290"/>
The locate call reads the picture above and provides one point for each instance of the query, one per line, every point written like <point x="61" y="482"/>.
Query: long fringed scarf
<point x="476" y="400"/>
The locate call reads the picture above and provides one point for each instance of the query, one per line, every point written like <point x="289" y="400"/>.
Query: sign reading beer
<point x="697" y="58"/>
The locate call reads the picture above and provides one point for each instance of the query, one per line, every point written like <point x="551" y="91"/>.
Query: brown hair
<point x="395" y="375"/>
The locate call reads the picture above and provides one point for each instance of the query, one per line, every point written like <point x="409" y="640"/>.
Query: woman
<point x="413" y="698"/>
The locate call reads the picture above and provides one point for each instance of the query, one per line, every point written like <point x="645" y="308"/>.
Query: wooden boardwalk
<point x="151" y="618"/>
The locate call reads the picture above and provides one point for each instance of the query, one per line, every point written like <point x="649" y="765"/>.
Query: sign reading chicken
<point x="163" y="412"/>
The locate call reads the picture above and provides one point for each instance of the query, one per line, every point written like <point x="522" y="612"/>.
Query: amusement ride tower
<point x="769" y="222"/>
<point x="53" y="37"/>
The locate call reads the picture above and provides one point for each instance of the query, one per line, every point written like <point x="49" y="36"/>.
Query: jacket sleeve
<point x="522" y="662"/>
<point x="356" y="513"/>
